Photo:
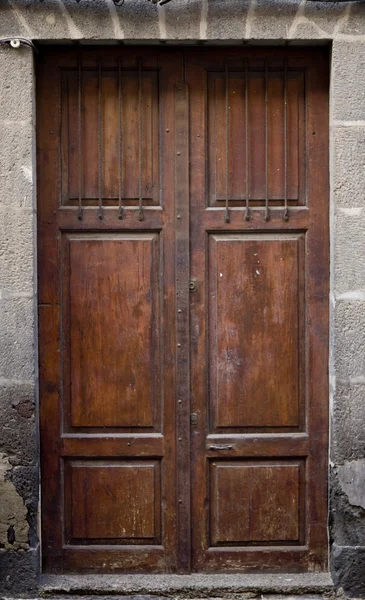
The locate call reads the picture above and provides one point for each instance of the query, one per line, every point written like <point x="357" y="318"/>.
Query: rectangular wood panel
<point x="254" y="502"/>
<point x="113" y="329"/>
<point x="112" y="500"/>
<point x="256" y="330"/>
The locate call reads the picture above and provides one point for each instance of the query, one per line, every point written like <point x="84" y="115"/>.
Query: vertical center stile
<point x="140" y="161"/>
<point x="286" y="212"/>
<point x="120" y="142"/>
<point x="247" y="211"/>
<point x="267" y="214"/>
<point x="100" y="173"/>
<point x="79" y="138"/>
<point x="226" y="214"/>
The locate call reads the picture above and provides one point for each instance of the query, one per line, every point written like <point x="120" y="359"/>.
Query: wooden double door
<point x="183" y="308"/>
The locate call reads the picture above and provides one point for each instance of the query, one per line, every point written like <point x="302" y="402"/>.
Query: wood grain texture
<point x="254" y="503"/>
<point x="113" y="330"/>
<point x="113" y="501"/>
<point x="255" y="329"/>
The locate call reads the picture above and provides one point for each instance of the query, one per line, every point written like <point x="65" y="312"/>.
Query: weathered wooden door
<point x="183" y="308"/>
<point x="106" y="146"/>
<point x="259" y="309"/>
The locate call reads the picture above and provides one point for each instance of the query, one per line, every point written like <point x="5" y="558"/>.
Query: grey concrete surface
<point x="181" y="21"/>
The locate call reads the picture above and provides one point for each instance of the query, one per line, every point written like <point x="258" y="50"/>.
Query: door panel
<point x="240" y="511"/>
<point x="120" y="501"/>
<point x="113" y="279"/>
<point x="107" y="289"/>
<point x="259" y="309"/>
<point x="255" y="315"/>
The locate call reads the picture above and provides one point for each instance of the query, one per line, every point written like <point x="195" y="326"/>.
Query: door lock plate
<point x="194" y="418"/>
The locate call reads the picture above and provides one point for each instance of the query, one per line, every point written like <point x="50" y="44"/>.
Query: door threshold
<point x="195" y="585"/>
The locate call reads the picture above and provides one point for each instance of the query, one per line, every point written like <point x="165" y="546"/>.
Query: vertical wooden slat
<point x="182" y="323"/>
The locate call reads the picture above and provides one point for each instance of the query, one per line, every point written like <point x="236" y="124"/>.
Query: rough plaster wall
<point x="210" y="21"/>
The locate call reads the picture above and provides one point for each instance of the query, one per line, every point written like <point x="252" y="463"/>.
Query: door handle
<point x="221" y="447"/>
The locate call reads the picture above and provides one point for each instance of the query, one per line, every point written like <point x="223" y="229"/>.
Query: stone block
<point x="351" y="476"/>
<point x="102" y="20"/>
<point x="348" y="418"/>
<point x="184" y="20"/>
<point x="349" y="340"/>
<point x="271" y="20"/>
<point x="44" y="20"/>
<point x="348" y="69"/>
<point x="348" y="568"/>
<point x="91" y="19"/>
<point x="9" y="24"/>
<point x="226" y="20"/>
<point x="316" y="20"/>
<point x="348" y="166"/>
<point x="346" y="519"/>
<point x="16" y="89"/>
<point x="325" y="16"/>
<point x="19" y="573"/>
<point x="17" y="357"/>
<point x="18" y="424"/>
<point x="17" y="245"/>
<point x="140" y="20"/>
<point x="16" y="165"/>
<point x="355" y="23"/>
<point x="348" y="234"/>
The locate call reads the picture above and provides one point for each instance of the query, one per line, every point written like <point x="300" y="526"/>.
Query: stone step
<point x="307" y="586"/>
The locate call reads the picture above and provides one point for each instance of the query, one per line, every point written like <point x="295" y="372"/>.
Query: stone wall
<point x="208" y="21"/>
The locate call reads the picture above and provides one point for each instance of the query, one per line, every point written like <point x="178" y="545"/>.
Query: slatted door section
<point x="106" y="177"/>
<point x="259" y="308"/>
